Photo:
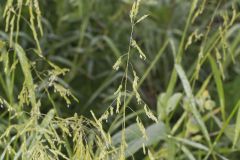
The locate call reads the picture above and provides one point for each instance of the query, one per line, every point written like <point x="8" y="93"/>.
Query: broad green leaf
<point x="135" y="140"/>
<point x="132" y="133"/>
<point x="173" y="102"/>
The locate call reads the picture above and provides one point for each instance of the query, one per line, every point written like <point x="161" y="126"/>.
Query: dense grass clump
<point x="129" y="79"/>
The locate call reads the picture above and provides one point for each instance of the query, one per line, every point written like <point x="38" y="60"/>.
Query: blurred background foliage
<point x="88" y="36"/>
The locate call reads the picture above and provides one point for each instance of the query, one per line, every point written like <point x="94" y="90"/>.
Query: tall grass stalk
<point x="179" y="108"/>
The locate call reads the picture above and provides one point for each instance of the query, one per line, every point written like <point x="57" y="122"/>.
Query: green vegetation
<point x="119" y="79"/>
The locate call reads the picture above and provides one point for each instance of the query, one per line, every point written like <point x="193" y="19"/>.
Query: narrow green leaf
<point x="113" y="47"/>
<point x="193" y="108"/>
<point x="161" y="107"/>
<point x="237" y="126"/>
<point x="188" y="153"/>
<point x="204" y="86"/>
<point x="173" y="102"/>
<point x="142" y="18"/>
<point x="218" y="81"/>
<point x="191" y="143"/>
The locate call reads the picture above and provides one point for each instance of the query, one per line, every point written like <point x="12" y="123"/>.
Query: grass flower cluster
<point x="131" y="79"/>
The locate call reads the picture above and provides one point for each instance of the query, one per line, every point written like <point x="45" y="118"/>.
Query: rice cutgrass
<point x="190" y="118"/>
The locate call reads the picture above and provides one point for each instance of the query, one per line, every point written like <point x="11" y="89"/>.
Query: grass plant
<point x="129" y="79"/>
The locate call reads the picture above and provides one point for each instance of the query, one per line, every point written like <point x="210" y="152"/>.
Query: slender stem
<point x="147" y="72"/>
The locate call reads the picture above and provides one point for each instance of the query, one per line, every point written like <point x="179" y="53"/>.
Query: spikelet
<point x="134" y="10"/>
<point x="13" y="66"/>
<point x="104" y="116"/>
<point x="10" y="20"/>
<point x="38" y="12"/>
<point x="53" y="74"/>
<point x="111" y="110"/>
<point x="7" y="8"/>
<point x="24" y="95"/>
<point x="199" y="10"/>
<point x="118" y="102"/>
<point x="219" y="57"/>
<point x="19" y="7"/>
<point x="3" y="103"/>
<point x="96" y="120"/>
<point x="135" y="87"/>
<point x="195" y="36"/>
<point x="141" y="127"/>
<point x="118" y="90"/>
<point x="11" y="30"/>
<point x="65" y="93"/>
<point x="32" y="26"/>
<point x="8" y="15"/>
<point x="100" y="128"/>
<point x="119" y="95"/>
<point x="142" y="18"/>
<point x="117" y="64"/>
<point x="234" y="15"/>
<point x="5" y="58"/>
<point x="150" y="114"/>
<point x="135" y="45"/>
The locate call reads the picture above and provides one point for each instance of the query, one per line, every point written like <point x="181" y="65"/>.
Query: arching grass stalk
<point x="123" y="87"/>
<point x="146" y="73"/>
<point x="133" y="15"/>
